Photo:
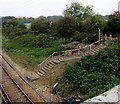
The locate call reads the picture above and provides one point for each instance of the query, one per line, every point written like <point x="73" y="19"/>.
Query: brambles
<point x="94" y="74"/>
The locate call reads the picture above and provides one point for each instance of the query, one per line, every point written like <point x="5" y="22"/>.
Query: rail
<point x="14" y="68"/>
<point x="4" y="99"/>
<point x="89" y="47"/>
<point x="18" y="86"/>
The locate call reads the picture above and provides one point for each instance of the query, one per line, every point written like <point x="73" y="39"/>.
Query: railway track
<point x="12" y="87"/>
<point x="12" y="90"/>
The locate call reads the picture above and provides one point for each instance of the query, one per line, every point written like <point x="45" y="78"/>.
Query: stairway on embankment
<point x="53" y="62"/>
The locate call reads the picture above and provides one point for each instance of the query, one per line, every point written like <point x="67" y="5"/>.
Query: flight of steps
<point x="51" y="64"/>
<point x="94" y="50"/>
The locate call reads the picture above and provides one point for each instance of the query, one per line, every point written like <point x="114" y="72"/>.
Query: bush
<point x="84" y="37"/>
<point x="94" y="74"/>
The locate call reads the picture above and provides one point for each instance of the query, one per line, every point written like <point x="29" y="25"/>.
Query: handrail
<point x="69" y="51"/>
<point x="46" y="59"/>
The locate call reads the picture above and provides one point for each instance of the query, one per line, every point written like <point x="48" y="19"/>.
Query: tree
<point x="54" y="18"/>
<point x="77" y="10"/>
<point x="81" y="14"/>
<point x="65" y="27"/>
<point x="25" y="20"/>
<point x="113" y="24"/>
<point x="92" y="23"/>
<point x="8" y="22"/>
<point x="40" y="26"/>
<point x="12" y="28"/>
<point x="41" y="18"/>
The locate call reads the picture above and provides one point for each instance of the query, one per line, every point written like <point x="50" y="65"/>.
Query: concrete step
<point x="46" y="68"/>
<point x="99" y="47"/>
<point x="56" y="61"/>
<point x="52" y="63"/>
<point x="61" y="59"/>
<point x="87" y="53"/>
<point x="49" y="64"/>
<point x="40" y="74"/>
<point x="93" y="50"/>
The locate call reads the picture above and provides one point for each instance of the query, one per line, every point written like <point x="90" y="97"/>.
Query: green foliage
<point x="32" y="49"/>
<point x="84" y="37"/>
<point x="94" y="74"/>
<point x="113" y="25"/>
<point x="12" y="28"/>
<point x="25" y="19"/>
<point x="54" y="18"/>
<point x="78" y="10"/>
<point x="40" y="26"/>
<point x="65" y="27"/>
<point x="92" y="24"/>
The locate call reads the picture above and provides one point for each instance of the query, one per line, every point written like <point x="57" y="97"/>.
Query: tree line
<point x="78" y="23"/>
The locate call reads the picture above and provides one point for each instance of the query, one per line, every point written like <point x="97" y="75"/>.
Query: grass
<point x="25" y="55"/>
<point x="28" y="25"/>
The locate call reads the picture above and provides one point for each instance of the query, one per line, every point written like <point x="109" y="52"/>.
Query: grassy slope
<point x="21" y="51"/>
<point x="93" y="74"/>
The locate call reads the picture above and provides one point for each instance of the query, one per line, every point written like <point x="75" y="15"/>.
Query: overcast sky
<point x="36" y="8"/>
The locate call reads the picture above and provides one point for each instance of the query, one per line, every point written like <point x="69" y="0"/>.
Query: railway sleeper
<point x="19" y="99"/>
<point x="17" y="94"/>
<point x="7" y="83"/>
<point x="11" y="92"/>
<point x="10" y="87"/>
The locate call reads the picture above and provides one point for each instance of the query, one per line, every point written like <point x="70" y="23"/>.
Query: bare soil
<point x="45" y="84"/>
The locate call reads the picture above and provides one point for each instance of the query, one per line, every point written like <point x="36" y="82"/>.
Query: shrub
<point x="94" y="74"/>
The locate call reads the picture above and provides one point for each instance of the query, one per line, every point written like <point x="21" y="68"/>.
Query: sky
<point x="36" y="8"/>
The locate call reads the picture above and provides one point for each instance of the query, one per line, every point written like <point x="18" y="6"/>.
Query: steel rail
<point x="17" y="84"/>
<point x="11" y="65"/>
<point x="3" y="90"/>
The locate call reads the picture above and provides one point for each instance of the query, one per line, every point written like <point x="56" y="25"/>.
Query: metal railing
<point x="71" y="52"/>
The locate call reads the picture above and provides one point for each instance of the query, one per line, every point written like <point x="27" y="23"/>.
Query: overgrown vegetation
<point x="93" y="74"/>
<point x="22" y="50"/>
<point x="30" y="44"/>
